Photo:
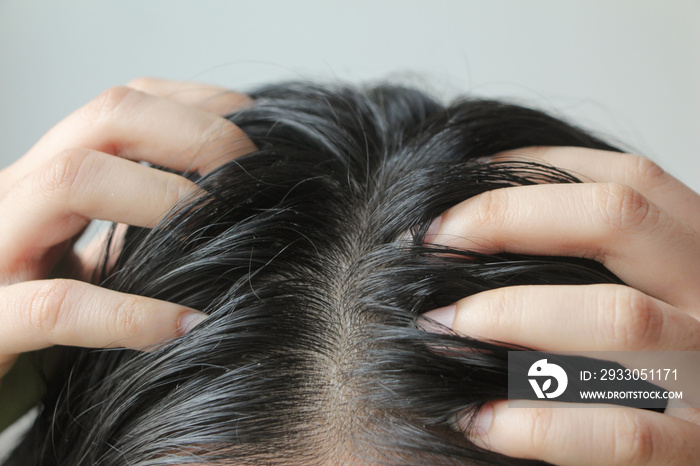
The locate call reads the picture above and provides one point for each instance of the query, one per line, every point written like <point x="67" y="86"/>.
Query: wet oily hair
<point x="309" y="257"/>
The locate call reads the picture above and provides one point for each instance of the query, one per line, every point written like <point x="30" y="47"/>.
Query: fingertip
<point x="477" y="427"/>
<point x="189" y="320"/>
<point x="438" y="320"/>
<point x="433" y="230"/>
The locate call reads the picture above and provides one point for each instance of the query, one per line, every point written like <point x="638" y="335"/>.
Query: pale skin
<point x="643" y="225"/>
<point x="82" y="169"/>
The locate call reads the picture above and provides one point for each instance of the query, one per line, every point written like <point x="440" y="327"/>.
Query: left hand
<point x="644" y="226"/>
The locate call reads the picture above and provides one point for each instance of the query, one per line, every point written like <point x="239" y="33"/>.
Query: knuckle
<point x="143" y="83"/>
<point x="541" y="430"/>
<point x="107" y="103"/>
<point x="126" y="318"/>
<point x="221" y="129"/>
<point x="647" y="173"/>
<point x="637" y="321"/>
<point x="621" y="207"/>
<point x="47" y="306"/>
<point x="61" y="172"/>
<point x="487" y="209"/>
<point x="633" y="441"/>
<point x="504" y="311"/>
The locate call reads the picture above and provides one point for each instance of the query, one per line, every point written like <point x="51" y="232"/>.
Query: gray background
<point x="628" y="69"/>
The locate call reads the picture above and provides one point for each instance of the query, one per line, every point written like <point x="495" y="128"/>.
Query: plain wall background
<point x="628" y="69"/>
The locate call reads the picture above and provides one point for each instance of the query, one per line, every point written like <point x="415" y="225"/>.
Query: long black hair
<point x="309" y="257"/>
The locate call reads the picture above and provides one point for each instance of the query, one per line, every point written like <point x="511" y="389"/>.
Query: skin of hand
<point x="86" y="168"/>
<point x="644" y="226"/>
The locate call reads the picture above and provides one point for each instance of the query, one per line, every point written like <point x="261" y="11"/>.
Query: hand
<point x="83" y="169"/>
<point x="644" y="226"/>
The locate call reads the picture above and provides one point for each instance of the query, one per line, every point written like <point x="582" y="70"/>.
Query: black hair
<point x="309" y="257"/>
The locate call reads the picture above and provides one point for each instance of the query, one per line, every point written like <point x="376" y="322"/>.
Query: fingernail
<point x="486" y="159"/>
<point x="433" y="230"/>
<point x="190" y="320"/>
<point x="480" y="426"/>
<point x="445" y="316"/>
<point x="675" y="403"/>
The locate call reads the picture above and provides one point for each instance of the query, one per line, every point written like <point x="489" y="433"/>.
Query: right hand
<point x="644" y="226"/>
<point x="83" y="169"/>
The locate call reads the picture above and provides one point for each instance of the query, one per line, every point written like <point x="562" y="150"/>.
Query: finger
<point x="213" y="99"/>
<point x="572" y="318"/>
<point x="43" y="313"/>
<point x="56" y="202"/>
<point x="682" y="410"/>
<point x="142" y="127"/>
<point x="6" y="363"/>
<point x="644" y="245"/>
<point x="605" y="435"/>
<point x="634" y="171"/>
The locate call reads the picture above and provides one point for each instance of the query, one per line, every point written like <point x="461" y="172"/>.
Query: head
<point x="309" y="256"/>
